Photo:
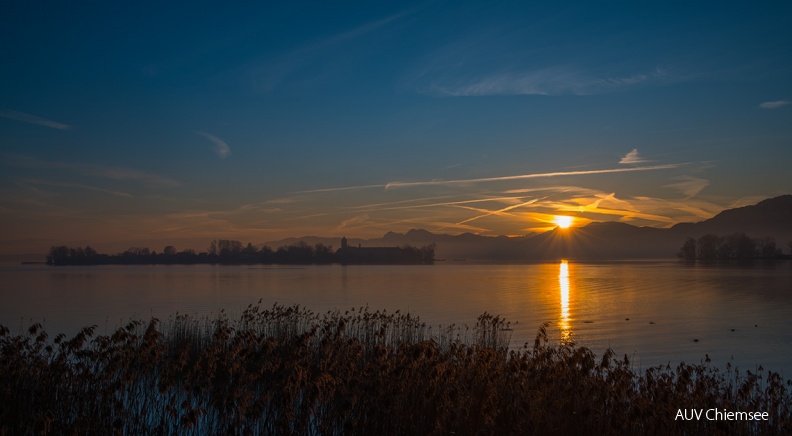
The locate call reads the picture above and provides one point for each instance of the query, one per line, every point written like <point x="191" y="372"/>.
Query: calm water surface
<point x="651" y="311"/>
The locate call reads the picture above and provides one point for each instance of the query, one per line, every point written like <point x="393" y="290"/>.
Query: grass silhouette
<point x="288" y="370"/>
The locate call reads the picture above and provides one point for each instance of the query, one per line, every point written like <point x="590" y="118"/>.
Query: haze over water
<point x="652" y="311"/>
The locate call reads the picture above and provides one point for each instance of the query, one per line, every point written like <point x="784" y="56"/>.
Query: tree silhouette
<point x="708" y="246"/>
<point x="226" y="251"/>
<point x="767" y="248"/>
<point x="735" y="246"/>
<point x="688" y="250"/>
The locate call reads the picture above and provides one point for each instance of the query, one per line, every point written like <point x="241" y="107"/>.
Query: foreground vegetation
<point x="287" y="370"/>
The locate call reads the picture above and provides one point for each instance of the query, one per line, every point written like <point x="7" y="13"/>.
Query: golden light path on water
<point x="652" y="311"/>
<point x="564" y="325"/>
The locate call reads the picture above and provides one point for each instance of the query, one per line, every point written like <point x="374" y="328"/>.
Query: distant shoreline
<point x="232" y="253"/>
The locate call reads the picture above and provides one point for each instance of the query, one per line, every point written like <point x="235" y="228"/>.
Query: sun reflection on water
<point x="564" y="325"/>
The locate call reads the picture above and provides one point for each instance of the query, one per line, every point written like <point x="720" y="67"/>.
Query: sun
<point x="563" y="221"/>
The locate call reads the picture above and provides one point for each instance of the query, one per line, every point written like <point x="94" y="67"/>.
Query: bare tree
<point x="688" y="250"/>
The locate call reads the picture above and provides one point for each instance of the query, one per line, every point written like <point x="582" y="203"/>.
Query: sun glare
<point x="563" y="221"/>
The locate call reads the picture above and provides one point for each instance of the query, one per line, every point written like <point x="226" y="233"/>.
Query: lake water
<point x="652" y="311"/>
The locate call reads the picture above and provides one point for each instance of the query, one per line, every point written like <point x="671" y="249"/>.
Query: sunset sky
<point x="154" y="124"/>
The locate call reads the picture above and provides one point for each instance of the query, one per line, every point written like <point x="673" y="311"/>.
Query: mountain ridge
<point x="610" y="240"/>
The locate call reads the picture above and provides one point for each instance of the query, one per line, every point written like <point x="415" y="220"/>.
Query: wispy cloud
<point x="746" y="201"/>
<point x="499" y="212"/>
<point x="688" y="185"/>
<point x="117" y="173"/>
<point x="548" y="81"/>
<point x="401" y="202"/>
<point x="392" y="185"/>
<point x="272" y="73"/>
<point x="774" y="104"/>
<point x="75" y="185"/>
<point x="569" y="190"/>
<point x="398" y="205"/>
<point x="354" y="33"/>
<point x="626" y="210"/>
<point x="531" y="176"/>
<point x="642" y="208"/>
<point x="32" y="119"/>
<point x="355" y="221"/>
<point x="107" y="172"/>
<point x="345" y="188"/>
<point x="632" y="158"/>
<point x="284" y="200"/>
<point x="468" y="228"/>
<point x="220" y="147"/>
<point x="208" y="224"/>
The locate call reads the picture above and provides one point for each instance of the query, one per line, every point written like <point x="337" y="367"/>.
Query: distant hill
<point x="771" y="217"/>
<point x="595" y="241"/>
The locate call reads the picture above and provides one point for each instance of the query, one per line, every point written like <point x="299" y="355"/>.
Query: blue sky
<point x="156" y="123"/>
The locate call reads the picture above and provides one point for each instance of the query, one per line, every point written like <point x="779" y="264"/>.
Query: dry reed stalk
<point x="288" y="370"/>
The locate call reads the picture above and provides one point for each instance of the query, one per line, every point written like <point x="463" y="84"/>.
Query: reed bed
<point x="288" y="370"/>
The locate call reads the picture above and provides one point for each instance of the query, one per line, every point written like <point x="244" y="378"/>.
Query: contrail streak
<point x="500" y="211"/>
<point x="529" y="176"/>
<point x="393" y="185"/>
<point x="348" y="188"/>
